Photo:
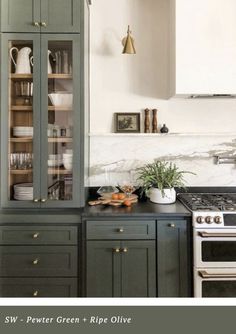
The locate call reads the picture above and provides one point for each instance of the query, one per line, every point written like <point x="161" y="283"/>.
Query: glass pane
<point x="20" y="132"/>
<point x="219" y="251"/>
<point x="219" y="289"/>
<point x="60" y="120"/>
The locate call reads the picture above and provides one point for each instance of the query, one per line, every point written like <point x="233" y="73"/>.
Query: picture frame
<point x="127" y="122"/>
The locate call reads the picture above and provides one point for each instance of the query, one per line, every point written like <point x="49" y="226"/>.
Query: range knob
<point x="200" y="220"/>
<point x="209" y="220"/>
<point x="218" y="220"/>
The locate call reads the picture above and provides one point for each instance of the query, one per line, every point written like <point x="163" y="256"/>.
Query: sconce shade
<point x="128" y="43"/>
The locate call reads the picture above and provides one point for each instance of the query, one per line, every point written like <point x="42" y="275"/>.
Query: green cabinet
<point x="39" y="261"/>
<point x="173" y="258"/>
<point x="120" y="258"/>
<point x="47" y="16"/>
<point x="41" y="116"/>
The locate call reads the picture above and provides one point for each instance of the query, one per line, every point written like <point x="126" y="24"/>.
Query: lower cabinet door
<point x="121" y="269"/>
<point x="38" y="287"/>
<point x="103" y="268"/>
<point x="173" y="259"/>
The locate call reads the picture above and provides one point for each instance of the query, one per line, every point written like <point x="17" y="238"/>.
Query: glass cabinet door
<point x="20" y="120"/>
<point x="60" y="131"/>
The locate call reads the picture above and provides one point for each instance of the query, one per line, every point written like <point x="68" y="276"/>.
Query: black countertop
<point x="140" y="209"/>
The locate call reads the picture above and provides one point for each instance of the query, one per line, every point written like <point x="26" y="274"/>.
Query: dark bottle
<point x="164" y="129"/>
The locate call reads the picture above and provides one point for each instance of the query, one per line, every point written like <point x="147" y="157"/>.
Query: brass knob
<point x="172" y="225"/>
<point x="43" y="24"/>
<point x="43" y="200"/>
<point x="121" y="230"/>
<point x="35" y="293"/>
<point x="36" y="24"/>
<point x="35" y="235"/>
<point x="125" y="250"/>
<point x="36" y="200"/>
<point x="36" y="261"/>
<point x="116" y="250"/>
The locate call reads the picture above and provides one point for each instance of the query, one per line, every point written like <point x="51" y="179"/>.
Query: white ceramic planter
<point x="168" y="197"/>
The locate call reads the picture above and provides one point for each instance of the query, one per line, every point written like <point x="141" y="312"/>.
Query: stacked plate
<point x="67" y="159"/>
<point x="23" y="131"/>
<point x="54" y="160"/>
<point x="23" y="192"/>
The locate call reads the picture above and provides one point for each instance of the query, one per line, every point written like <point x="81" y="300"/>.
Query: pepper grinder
<point x="154" y="120"/>
<point x="147" y="121"/>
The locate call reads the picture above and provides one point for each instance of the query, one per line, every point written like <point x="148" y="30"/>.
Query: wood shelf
<point x="21" y="171"/>
<point x="58" y="171"/>
<point x="60" y="76"/>
<point x="21" y="76"/>
<point x="21" y="108"/>
<point x="61" y="108"/>
<point x="21" y="140"/>
<point x="60" y="140"/>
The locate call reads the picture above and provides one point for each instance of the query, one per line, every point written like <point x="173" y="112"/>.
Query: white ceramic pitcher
<point x="49" y="64"/>
<point x="22" y="63"/>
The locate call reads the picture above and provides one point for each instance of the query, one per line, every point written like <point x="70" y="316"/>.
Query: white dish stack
<point x="23" y="131"/>
<point x="23" y="192"/>
<point x="55" y="160"/>
<point x="67" y="159"/>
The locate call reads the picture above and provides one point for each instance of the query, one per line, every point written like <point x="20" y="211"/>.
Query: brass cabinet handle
<point x="125" y="250"/>
<point x="36" y="261"/>
<point x="36" y="24"/>
<point x="36" y="200"/>
<point x="43" y="24"/>
<point x="43" y="200"/>
<point x="171" y="225"/>
<point x="205" y="274"/>
<point x="116" y="250"/>
<point x="120" y="230"/>
<point x="35" y="293"/>
<point x="35" y="235"/>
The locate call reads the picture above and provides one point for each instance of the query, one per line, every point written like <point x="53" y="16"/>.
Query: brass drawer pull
<point x="36" y="24"/>
<point x="116" y="250"/>
<point x="36" y="200"/>
<point x="43" y="200"/>
<point x="43" y="24"/>
<point x="125" y="250"/>
<point x="120" y="230"/>
<point x="35" y="235"/>
<point x="35" y="293"/>
<point x="36" y="261"/>
<point x="171" y="225"/>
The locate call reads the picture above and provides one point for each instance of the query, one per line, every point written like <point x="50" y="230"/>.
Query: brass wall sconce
<point x="128" y="43"/>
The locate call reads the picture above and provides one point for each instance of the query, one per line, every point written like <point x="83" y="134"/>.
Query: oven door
<point x="215" y="248"/>
<point x="212" y="282"/>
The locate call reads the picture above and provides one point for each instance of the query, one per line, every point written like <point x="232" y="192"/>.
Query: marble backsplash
<point x="114" y="158"/>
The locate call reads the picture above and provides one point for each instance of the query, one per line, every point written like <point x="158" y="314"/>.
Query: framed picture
<point x="127" y="122"/>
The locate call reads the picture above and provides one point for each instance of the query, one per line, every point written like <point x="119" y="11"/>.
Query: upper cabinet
<point x="203" y="47"/>
<point x="60" y="16"/>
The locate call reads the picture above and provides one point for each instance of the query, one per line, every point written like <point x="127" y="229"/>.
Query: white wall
<point x="130" y="83"/>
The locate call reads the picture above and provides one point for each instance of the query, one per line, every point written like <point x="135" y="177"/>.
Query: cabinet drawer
<point x="38" y="287"/>
<point x="38" y="261"/>
<point x="136" y="229"/>
<point x="28" y="235"/>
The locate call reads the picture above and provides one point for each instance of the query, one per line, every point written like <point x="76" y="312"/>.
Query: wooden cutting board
<point x="109" y="201"/>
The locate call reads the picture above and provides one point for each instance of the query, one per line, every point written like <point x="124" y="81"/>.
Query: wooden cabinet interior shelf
<point x="59" y="140"/>
<point x="22" y="108"/>
<point x="21" y="76"/>
<point x="61" y="108"/>
<point x="52" y="171"/>
<point x="21" y="171"/>
<point x="50" y="108"/>
<point x="21" y="140"/>
<point x="59" y="76"/>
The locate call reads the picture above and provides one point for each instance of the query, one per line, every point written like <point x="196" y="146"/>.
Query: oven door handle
<point x="219" y="235"/>
<point x="205" y="274"/>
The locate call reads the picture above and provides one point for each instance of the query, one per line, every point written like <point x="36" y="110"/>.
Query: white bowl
<point x="61" y="99"/>
<point x="68" y="165"/>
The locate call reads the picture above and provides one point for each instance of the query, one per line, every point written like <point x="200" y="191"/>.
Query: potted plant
<point x="158" y="180"/>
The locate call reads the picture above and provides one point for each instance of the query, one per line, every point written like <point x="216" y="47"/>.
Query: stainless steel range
<point x="214" y="237"/>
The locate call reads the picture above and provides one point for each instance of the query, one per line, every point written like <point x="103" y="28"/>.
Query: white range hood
<point x="203" y="48"/>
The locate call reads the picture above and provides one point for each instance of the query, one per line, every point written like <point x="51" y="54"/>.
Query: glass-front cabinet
<point x="41" y="121"/>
